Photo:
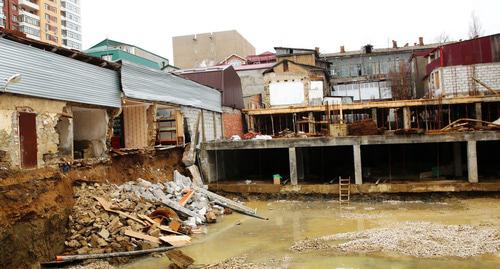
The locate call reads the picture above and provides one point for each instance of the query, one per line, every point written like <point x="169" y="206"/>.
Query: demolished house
<point x="69" y="106"/>
<point x="159" y="107"/>
<point x="60" y="109"/>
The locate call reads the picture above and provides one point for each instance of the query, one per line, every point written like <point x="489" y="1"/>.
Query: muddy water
<point x="292" y="220"/>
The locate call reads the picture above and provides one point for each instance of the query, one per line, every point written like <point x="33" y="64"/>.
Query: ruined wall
<point x="47" y="116"/>
<point x="233" y="122"/>
<point x="90" y="130"/>
<point x="212" y="123"/>
<point x="252" y="82"/>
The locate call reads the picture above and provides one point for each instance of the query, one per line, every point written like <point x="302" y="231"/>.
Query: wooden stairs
<point x="344" y="190"/>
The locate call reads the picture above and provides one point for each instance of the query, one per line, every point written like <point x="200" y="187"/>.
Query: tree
<point x="475" y="27"/>
<point x="442" y="38"/>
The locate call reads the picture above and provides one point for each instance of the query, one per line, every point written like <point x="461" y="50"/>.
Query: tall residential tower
<point x="56" y="22"/>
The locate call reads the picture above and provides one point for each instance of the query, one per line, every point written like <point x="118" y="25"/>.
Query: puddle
<point x="291" y="221"/>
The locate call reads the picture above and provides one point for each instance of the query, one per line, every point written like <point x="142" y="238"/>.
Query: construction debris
<point x="463" y="125"/>
<point x="141" y="215"/>
<point x="363" y="127"/>
<point x="418" y="239"/>
<point x="180" y="259"/>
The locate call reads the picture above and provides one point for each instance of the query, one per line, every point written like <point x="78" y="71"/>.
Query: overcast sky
<point x="150" y="24"/>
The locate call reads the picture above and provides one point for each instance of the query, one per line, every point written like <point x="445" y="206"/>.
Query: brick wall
<point x="457" y="80"/>
<point x="233" y="122"/>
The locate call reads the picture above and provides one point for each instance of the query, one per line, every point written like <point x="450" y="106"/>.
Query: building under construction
<point x="445" y="141"/>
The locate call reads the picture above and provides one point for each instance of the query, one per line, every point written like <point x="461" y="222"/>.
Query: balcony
<point x="29" y="5"/>
<point x="28" y="14"/>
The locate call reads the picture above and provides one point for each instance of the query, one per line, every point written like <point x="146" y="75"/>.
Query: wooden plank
<point x="180" y="259"/>
<point x="142" y="236"/>
<point x="161" y="227"/>
<point x="186" y="197"/>
<point x="376" y="104"/>
<point x="176" y="240"/>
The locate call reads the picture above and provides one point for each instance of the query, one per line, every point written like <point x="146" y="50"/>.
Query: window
<point x="30" y="31"/>
<point x="107" y="57"/>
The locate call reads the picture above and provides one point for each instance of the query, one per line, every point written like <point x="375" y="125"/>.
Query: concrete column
<point x="292" y="156"/>
<point x="472" y="162"/>
<point x="406" y="118"/>
<point x="374" y="115"/>
<point x="312" y="127"/>
<point x="478" y="113"/>
<point x="358" y="175"/>
<point x="457" y="159"/>
<point x="300" y="163"/>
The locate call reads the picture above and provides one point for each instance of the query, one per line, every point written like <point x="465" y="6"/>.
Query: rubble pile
<point x="418" y="239"/>
<point x="136" y="215"/>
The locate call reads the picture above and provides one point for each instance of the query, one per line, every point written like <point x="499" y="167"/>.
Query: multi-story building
<point x="52" y="21"/>
<point x="111" y="50"/>
<point x="370" y="73"/>
<point x="209" y="49"/>
<point x="71" y="24"/>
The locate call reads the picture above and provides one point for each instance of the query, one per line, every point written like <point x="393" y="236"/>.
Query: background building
<point x="52" y="21"/>
<point x="111" y="50"/>
<point x="71" y="25"/>
<point x="209" y="49"/>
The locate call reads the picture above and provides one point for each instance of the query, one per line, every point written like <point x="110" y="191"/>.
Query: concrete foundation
<point x="440" y="159"/>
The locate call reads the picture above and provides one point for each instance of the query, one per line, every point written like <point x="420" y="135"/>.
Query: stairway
<point x="344" y="189"/>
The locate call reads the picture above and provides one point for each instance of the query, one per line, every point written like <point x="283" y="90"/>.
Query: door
<point x="27" y="136"/>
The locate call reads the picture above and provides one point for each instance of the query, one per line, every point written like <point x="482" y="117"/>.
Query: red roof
<point x="253" y="66"/>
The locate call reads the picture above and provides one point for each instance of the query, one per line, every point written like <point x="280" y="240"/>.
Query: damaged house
<point x="164" y="109"/>
<point x="298" y="78"/>
<point x="59" y="109"/>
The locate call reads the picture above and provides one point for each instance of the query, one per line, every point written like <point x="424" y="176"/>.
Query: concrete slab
<point x="419" y="187"/>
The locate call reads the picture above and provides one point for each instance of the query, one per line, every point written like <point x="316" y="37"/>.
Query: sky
<point x="151" y="24"/>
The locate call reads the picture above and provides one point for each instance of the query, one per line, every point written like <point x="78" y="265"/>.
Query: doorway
<point x="27" y="136"/>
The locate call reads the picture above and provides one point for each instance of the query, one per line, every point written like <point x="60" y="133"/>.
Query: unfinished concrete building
<point x="410" y="145"/>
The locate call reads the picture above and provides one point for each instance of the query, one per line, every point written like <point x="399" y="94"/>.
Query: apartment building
<point x="209" y="49"/>
<point x="56" y="22"/>
<point x="71" y="25"/>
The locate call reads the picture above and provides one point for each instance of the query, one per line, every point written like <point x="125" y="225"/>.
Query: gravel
<point x="418" y="239"/>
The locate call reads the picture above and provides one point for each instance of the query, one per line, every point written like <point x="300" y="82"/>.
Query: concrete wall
<point x="252" y="82"/>
<point x="91" y="126"/>
<point x="457" y="80"/>
<point x="209" y="49"/>
<point x="211" y="129"/>
<point x="47" y="112"/>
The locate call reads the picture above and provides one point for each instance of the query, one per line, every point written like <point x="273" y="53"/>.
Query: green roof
<point x="118" y="54"/>
<point x="108" y="47"/>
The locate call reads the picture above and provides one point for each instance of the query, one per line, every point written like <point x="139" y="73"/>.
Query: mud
<point x="264" y="242"/>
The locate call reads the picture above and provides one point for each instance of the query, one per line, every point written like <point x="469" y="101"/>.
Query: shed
<point x="223" y="78"/>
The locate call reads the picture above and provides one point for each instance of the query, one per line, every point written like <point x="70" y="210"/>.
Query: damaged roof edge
<point x="142" y="83"/>
<point x="73" y="54"/>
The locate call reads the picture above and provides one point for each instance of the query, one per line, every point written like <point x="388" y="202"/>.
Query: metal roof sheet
<point x="143" y="83"/>
<point x="49" y="75"/>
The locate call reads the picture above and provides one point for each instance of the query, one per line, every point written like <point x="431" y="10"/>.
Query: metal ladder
<point x="344" y="190"/>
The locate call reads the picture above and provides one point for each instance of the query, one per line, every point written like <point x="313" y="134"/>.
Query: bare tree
<point x="442" y="38"/>
<point x="475" y="27"/>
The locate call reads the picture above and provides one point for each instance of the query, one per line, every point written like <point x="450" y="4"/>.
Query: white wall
<point x="286" y="93"/>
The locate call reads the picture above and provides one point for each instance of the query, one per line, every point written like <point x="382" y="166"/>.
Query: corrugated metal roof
<point x="49" y="75"/>
<point x="153" y="85"/>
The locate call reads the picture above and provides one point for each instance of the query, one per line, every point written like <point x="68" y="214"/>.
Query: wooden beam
<point x="376" y="104"/>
